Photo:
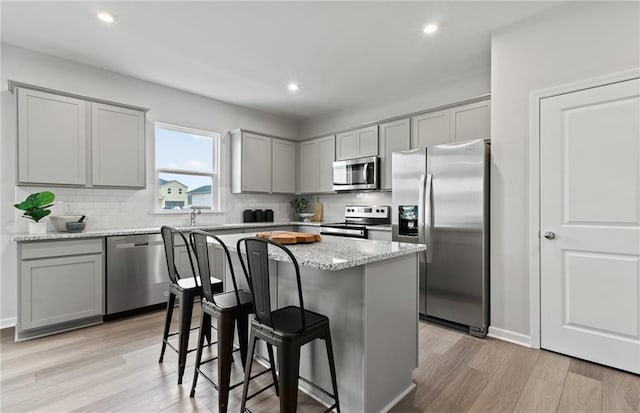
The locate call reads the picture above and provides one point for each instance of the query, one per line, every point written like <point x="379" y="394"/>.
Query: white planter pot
<point x="37" y="228"/>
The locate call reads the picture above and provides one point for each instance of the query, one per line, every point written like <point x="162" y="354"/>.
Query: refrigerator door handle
<point x="421" y="235"/>
<point x="428" y="212"/>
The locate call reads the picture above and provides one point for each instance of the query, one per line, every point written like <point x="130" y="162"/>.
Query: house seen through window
<point x="186" y="168"/>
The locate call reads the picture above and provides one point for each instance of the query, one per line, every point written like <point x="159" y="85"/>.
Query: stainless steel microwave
<point x="356" y="174"/>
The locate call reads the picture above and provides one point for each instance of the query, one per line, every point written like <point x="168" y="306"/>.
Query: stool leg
<point x="242" y="322"/>
<point x="203" y="322"/>
<point x="247" y="370"/>
<point x="288" y="365"/>
<point x="225" y="349"/>
<point x="186" y="310"/>
<point x="207" y="329"/>
<point x="332" y="367"/>
<point x="272" y="365"/>
<point x="167" y="324"/>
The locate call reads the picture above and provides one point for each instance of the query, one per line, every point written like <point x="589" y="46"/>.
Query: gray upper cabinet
<point x="357" y="143"/>
<point x="67" y="139"/>
<point x="316" y="171"/>
<point x="52" y="138"/>
<point x="394" y="136"/>
<point x="431" y="128"/>
<point x="459" y="123"/>
<point x="283" y="167"/>
<point x="308" y="166"/>
<point x="262" y="164"/>
<point x="472" y="121"/>
<point x="256" y="163"/>
<point x="326" y="156"/>
<point x="118" y="150"/>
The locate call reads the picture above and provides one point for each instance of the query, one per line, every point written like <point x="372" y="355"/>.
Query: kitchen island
<point x="369" y="291"/>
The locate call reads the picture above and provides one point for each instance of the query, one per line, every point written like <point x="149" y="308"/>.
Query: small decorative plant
<point x="299" y="204"/>
<point x="37" y="205"/>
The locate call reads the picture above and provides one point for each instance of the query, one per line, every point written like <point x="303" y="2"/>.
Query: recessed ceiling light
<point x="106" y="17"/>
<point x="430" y="28"/>
<point x="293" y="87"/>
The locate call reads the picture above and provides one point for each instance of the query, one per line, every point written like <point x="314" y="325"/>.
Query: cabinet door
<point x="283" y="167"/>
<point x="256" y="163"/>
<point x="471" y="121"/>
<point x="347" y="145"/>
<point x="326" y="156"/>
<point x="117" y="141"/>
<point x="52" y="139"/>
<point x="309" y="166"/>
<point x="394" y="136"/>
<point x="56" y="290"/>
<point x="367" y="141"/>
<point x="430" y="129"/>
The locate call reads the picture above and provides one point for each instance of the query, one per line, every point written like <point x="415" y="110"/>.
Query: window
<point x="187" y="168"/>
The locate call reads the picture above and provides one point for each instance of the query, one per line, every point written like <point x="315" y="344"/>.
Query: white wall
<point x="568" y="44"/>
<point x="103" y="206"/>
<point x="448" y="91"/>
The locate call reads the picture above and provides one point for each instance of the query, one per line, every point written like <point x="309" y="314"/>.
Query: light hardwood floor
<point x="113" y="368"/>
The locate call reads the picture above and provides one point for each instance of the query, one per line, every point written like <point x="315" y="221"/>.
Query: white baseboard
<point x="510" y="336"/>
<point x="398" y="398"/>
<point x="7" y="322"/>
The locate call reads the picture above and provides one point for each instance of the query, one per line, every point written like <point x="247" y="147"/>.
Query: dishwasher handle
<point x="137" y="244"/>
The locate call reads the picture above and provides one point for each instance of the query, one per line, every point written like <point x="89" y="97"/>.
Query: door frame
<point x="534" y="184"/>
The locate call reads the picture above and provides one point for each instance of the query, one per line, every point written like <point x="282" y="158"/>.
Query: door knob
<point x="549" y="235"/>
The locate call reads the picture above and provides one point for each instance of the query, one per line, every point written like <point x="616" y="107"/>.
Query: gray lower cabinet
<point x="61" y="286"/>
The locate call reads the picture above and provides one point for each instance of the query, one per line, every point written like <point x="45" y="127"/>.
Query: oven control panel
<point x="356" y="211"/>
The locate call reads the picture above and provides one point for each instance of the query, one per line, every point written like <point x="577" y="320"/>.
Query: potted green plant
<point x="36" y="206"/>
<point x="299" y="205"/>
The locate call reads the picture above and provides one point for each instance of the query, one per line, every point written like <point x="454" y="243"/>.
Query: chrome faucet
<point x="194" y="212"/>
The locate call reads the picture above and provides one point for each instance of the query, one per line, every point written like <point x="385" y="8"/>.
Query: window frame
<point x="214" y="174"/>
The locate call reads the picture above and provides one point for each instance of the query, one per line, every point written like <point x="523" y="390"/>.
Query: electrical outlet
<point x="124" y="208"/>
<point x="68" y="207"/>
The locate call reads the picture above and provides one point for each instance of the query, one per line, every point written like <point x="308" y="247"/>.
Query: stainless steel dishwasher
<point x="136" y="272"/>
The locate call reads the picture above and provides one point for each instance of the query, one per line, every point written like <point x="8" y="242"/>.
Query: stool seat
<point x="229" y="301"/>
<point x="287" y="320"/>
<point x="190" y="283"/>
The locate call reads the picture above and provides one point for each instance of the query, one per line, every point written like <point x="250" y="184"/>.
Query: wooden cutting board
<point x="284" y="237"/>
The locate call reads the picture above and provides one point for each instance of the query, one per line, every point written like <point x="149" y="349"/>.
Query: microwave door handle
<point x="364" y="173"/>
<point x="428" y="212"/>
<point x="421" y="229"/>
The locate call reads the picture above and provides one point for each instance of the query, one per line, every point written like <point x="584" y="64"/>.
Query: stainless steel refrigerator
<point x="441" y="198"/>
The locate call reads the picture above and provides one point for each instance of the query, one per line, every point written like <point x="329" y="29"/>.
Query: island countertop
<point x="335" y="253"/>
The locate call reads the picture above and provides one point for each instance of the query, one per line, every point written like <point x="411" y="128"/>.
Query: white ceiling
<point x="341" y="53"/>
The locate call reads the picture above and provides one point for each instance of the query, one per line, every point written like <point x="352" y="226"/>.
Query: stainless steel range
<point x="356" y="220"/>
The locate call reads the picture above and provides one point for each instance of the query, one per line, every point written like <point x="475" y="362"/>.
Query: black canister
<point x="248" y="215"/>
<point x="259" y="215"/>
<point x="268" y="215"/>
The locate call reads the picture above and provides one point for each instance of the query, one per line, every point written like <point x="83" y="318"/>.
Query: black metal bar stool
<point x="187" y="289"/>
<point x="287" y="328"/>
<point x="225" y="308"/>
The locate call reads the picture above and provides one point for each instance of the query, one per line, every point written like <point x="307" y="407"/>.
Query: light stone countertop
<point x="335" y="253"/>
<point x="108" y="232"/>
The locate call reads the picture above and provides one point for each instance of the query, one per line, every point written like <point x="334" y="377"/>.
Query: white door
<point x="590" y="201"/>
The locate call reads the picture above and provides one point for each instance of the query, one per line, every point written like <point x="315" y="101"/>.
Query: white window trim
<point x="215" y="174"/>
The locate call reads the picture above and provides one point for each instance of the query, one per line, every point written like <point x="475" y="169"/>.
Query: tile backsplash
<point x="121" y="208"/>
